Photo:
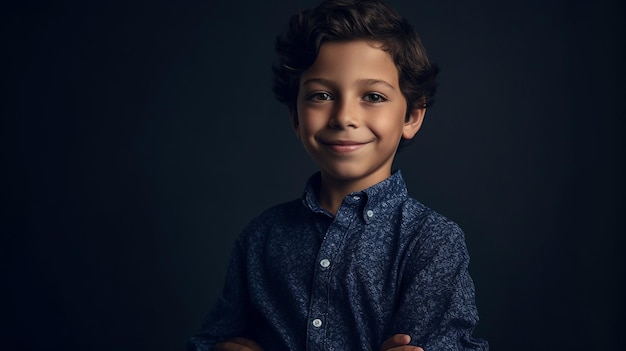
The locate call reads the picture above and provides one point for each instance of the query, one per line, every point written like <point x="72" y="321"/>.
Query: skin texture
<point x="350" y="117"/>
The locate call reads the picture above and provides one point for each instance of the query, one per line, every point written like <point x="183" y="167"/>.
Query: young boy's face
<point x="351" y="113"/>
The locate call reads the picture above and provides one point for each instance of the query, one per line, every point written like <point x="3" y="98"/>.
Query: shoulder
<point x="427" y="228"/>
<point x="274" y="218"/>
<point x="434" y="242"/>
<point x="424" y="218"/>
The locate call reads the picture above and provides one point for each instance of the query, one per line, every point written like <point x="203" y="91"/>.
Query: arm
<point x="436" y="305"/>
<point x="228" y="317"/>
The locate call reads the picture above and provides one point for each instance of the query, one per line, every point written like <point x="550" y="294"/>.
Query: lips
<point x="343" y="146"/>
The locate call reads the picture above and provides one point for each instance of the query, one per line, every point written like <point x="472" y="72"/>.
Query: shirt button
<point x="357" y="198"/>
<point x="325" y="263"/>
<point x="317" y="323"/>
<point x="370" y="213"/>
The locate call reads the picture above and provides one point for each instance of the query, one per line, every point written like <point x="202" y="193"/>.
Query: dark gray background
<point x="138" y="138"/>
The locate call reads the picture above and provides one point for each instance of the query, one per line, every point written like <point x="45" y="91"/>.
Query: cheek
<point x="310" y="122"/>
<point x="390" y="127"/>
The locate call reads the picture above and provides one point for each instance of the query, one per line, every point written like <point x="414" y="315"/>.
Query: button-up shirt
<point x="302" y="279"/>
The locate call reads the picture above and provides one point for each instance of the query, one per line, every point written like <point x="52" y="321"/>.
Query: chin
<point x="347" y="173"/>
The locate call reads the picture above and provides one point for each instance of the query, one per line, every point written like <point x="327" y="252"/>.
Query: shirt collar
<point x="371" y="198"/>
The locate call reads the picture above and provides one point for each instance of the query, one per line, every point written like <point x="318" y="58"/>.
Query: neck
<point x="333" y="191"/>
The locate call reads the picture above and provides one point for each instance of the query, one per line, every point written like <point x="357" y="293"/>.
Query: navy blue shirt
<point x="302" y="279"/>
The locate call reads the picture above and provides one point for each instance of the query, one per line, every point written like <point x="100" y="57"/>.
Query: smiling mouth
<point x="343" y="146"/>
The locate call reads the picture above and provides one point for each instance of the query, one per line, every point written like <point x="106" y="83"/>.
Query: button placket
<point x="329" y="255"/>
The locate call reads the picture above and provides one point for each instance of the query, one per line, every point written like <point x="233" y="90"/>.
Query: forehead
<point x="345" y="61"/>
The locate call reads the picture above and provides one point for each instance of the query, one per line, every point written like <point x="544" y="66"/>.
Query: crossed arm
<point x="398" y="342"/>
<point x="441" y="316"/>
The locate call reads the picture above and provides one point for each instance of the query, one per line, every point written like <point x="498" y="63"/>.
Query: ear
<point x="293" y="114"/>
<point x="413" y="123"/>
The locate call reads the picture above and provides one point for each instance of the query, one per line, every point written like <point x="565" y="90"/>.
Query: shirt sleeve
<point x="437" y="306"/>
<point x="229" y="316"/>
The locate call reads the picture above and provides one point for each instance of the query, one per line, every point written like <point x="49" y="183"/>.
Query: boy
<point x="356" y="264"/>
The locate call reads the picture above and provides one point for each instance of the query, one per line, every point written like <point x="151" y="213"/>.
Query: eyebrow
<point x="366" y="82"/>
<point x="361" y="82"/>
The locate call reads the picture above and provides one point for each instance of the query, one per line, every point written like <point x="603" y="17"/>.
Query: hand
<point x="399" y="342"/>
<point x="238" y="344"/>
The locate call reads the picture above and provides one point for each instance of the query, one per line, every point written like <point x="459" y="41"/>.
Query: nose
<point x="344" y="115"/>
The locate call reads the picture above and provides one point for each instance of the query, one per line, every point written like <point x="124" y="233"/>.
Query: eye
<point x="320" y="96"/>
<point x="374" y="97"/>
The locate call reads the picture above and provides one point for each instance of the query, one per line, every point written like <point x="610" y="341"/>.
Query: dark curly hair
<point x="338" y="20"/>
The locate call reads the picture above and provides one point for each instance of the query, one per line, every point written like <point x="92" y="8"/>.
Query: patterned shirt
<point x="302" y="279"/>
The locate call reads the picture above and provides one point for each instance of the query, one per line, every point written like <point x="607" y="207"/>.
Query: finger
<point x="406" y="348"/>
<point x="247" y="342"/>
<point x="238" y="344"/>
<point x="395" y="341"/>
<point x="230" y="346"/>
